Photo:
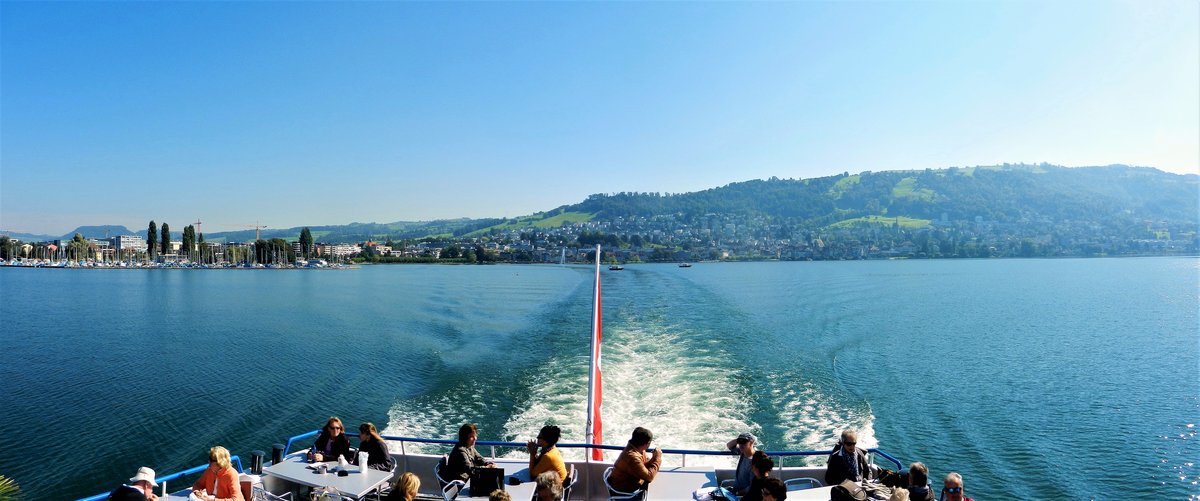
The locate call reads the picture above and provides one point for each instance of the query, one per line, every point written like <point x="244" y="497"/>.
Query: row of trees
<point x="191" y="244"/>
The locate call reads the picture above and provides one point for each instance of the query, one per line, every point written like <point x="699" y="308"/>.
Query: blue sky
<point x="328" y="113"/>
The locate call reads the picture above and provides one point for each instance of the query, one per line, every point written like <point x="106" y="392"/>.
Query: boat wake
<point x="695" y="374"/>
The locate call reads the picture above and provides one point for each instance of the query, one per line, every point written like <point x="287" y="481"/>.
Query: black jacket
<point x="837" y="469"/>
<point x="462" y="459"/>
<point x="378" y="457"/>
<point x="340" y="447"/>
<point x="127" y="493"/>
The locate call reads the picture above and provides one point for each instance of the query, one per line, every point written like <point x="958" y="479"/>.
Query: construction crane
<point x="257" y="228"/>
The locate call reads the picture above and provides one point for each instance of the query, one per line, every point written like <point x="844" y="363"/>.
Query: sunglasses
<point x="953" y="490"/>
<point x="335" y="427"/>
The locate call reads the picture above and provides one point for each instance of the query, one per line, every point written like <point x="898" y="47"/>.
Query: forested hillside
<point x="1005" y="194"/>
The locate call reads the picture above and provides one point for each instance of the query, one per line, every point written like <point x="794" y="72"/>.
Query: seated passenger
<point x="140" y="487"/>
<point x="761" y="466"/>
<point x="369" y="441"/>
<point x="549" y="487"/>
<point x="743" y="446"/>
<point x="773" y="489"/>
<point x="899" y="494"/>
<point x="847" y="460"/>
<point x="463" y="458"/>
<point x="952" y="488"/>
<point x="331" y="443"/>
<point x="634" y="469"/>
<point x="219" y="482"/>
<point x="548" y="458"/>
<point x="499" y="495"/>
<point x="406" y="488"/>
<point x="918" y="482"/>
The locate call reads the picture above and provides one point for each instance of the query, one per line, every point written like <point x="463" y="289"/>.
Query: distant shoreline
<point x="635" y="264"/>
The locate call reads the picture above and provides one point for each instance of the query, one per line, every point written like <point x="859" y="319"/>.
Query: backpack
<point x="848" y="490"/>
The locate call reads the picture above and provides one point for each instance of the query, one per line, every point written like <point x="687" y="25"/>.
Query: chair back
<point x="619" y="495"/>
<point x="451" y="490"/>
<point x="569" y="483"/>
<point x="801" y="483"/>
<point x="437" y="471"/>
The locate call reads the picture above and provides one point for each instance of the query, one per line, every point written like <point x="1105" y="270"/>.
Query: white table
<point x="357" y="484"/>
<point x="814" y="494"/>
<point x="672" y="481"/>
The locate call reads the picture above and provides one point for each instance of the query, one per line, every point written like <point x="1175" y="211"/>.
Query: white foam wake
<point x="654" y="377"/>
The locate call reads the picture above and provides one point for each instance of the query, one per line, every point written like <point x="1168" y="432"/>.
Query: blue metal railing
<point x="162" y="481"/>
<point x="517" y="445"/>
<point x="682" y="452"/>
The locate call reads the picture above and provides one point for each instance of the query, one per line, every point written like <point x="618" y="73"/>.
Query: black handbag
<point x="486" y="480"/>
<point x="848" y="490"/>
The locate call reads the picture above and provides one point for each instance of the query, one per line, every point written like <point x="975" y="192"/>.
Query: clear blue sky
<point x="328" y="113"/>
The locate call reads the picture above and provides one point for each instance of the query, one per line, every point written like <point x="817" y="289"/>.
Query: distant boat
<point x="685" y="265"/>
<point x="616" y="267"/>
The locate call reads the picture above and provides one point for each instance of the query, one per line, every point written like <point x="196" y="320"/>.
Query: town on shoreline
<point x="637" y="240"/>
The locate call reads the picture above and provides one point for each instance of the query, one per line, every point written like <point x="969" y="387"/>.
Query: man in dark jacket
<point x="918" y="483"/>
<point x="847" y="462"/>
<point x="140" y="487"/>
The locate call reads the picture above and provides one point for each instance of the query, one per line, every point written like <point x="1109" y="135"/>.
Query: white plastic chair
<point x="572" y="477"/>
<point x="450" y="488"/>
<point x="618" y="495"/>
<point x="260" y="493"/>
<point x="801" y="483"/>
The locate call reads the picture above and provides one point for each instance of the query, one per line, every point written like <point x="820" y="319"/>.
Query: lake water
<point x="1036" y="379"/>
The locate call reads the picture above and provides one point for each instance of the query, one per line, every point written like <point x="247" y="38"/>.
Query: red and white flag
<point x="594" y="436"/>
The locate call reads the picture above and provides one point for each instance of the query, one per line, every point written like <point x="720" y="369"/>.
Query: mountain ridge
<point x="1111" y="195"/>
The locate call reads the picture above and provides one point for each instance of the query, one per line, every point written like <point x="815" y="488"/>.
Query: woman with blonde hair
<point x="378" y="457"/>
<point x="219" y="481"/>
<point x="406" y="488"/>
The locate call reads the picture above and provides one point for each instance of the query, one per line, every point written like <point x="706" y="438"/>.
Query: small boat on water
<point x="685" y="265"/>
<point x="616" y="267"/>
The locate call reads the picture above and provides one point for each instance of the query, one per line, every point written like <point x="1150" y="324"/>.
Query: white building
<point x="127" y="244"/>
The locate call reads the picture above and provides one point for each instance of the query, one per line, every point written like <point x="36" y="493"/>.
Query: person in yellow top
<point x="219" y="481"/>
<point x="548" y="458"/>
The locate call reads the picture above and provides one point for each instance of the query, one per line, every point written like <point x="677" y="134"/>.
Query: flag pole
<point x="593" y="428"/>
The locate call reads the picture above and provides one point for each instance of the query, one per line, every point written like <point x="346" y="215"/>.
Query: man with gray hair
<point x="847" y="462"/>
<point x="952" y="489"/>
<point x="548" y="487"/>
<point x="140" y="487"/>
<point x="918" y="482"/>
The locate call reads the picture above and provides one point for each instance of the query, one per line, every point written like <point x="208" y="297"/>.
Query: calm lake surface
<point x="1036" y="379"/>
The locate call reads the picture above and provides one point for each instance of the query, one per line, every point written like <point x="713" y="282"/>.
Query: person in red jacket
<point x="219" y="481"/>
